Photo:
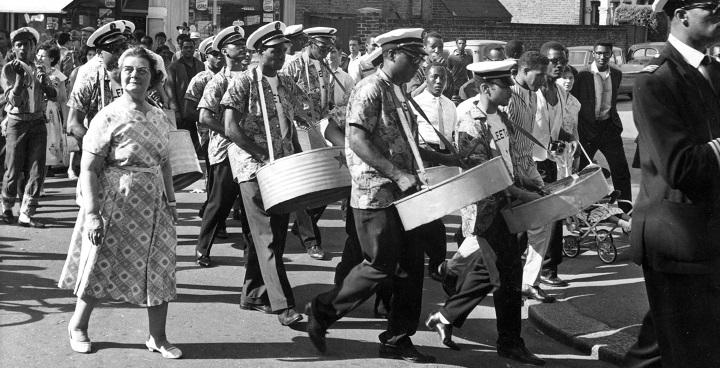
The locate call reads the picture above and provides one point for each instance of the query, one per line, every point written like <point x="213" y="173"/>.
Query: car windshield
<point x="577" y="57"/>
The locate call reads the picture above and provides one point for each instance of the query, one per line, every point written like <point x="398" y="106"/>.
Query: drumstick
<point x="587" y="156"/>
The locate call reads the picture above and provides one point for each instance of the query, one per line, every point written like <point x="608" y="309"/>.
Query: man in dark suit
<point x="676" y="222"/>
<point x="599" y="125"/>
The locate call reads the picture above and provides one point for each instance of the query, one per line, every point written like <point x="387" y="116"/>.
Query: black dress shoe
<point x="519" y="353"/>
<point x="265" y="308"/>
<point x="8" y="217"/>
<point x="221" y="234"/>
<point x="445" y="331"/>
<point x="316" y="252"/>
<point x="434" y="272"/>
<point x="534" y="292"/>
<point x="405" y="351"/>
<point x="449" y="280"/>
<point x="32" y="223"/>
<point x="289" y="316"/>
<point x="552" y="280"/>
<point x="203" y="261"/>
<point x="315" y="330"/>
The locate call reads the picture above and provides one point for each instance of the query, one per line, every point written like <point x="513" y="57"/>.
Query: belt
<point x="150" y="170"/>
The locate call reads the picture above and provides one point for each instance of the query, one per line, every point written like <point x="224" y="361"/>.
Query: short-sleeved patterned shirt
<point x="373" y="107"/>
<point x="86" y="95"/>
<point x="194" y="93"/>
<point x="211" y="97"/>
<point x="242" y="95"/>
<point x="295" y="68"/>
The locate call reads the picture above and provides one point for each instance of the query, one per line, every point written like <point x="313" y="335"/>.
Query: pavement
<point x="593" y="323"/>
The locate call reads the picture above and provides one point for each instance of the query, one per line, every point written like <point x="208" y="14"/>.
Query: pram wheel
<point x="571" y="246"/>
<point x="603" y="235"/>
<point x="606" y="251"/>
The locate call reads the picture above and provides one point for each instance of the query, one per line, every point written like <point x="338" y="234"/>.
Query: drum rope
<point x="403" y="114"/>
<point x="268" y="136"/>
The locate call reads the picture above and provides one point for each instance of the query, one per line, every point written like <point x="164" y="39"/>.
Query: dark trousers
<point x="307" y="227"/>
<point x="610" y="144"/>
<point x="25" y="151"/>
<point x="222" y="196"/>
<point x="385" y="246"/>
<point x="645" y="353"/>
<point x="209" y="176"/>
<point x="434" y="242"/>
<point x="685" y="318"/>
<point x="476" y="285"/>
<point x="265" y="278"/>
<point x="553" y="255"/>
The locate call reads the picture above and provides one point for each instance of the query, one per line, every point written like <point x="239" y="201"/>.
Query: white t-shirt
<point x="501" y="138"/>
<point x="323" y="88"/>
<point x="284" y="126"/>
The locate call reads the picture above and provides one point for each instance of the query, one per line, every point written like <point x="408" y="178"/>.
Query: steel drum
<point x="437" y="174"/>
<point x="568" y="196"/>
<point x="452" y="194"/>
<point x="304" y="180"/>
<point x="185" y="165"/>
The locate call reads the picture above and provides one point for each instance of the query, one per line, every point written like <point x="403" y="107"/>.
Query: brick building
<point x="577" y="12"/>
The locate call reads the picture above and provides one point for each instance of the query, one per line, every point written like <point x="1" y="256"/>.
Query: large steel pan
<point x="185" y="165"/>
<point x="568" y="196"/>
<point x="452" y="194"/>
<point x="304" y="180"/>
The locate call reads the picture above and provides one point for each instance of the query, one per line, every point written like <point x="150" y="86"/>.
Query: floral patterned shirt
<point x="86" y="95"/>
<point x="242" y="95"/>
<point x="214" y="91"/>
<point x="295" y="68"/>
<point x="194" y="93"/>
<point x="473" y="127"/>
<point x="373" y="107"/>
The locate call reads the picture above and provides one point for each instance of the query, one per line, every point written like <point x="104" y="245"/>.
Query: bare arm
<point x="75" y="126"/>
<point x="169" y="189"/>
<point x="90" y="169"/>
<point x="334" y="135"/>
<point x="237" y="136"/>
<point x="360" y="143"/>
<point x="208" y="119"/>
<point x="191" y="111"/>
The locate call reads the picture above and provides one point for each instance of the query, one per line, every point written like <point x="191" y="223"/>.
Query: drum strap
<point x="404" y="115"/>
<point x="264" y="111"/>
<point x="441" y="136"/>
<point x="335" y="78"/>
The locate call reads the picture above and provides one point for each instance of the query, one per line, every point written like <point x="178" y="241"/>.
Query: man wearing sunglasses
<point x="311" y="72"/>
<point x="676" y="219"/>
<point x="599" y="124"/>
<point x="97" y="83"/>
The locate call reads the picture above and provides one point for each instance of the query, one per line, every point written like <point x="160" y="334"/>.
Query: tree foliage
<point x="642" y="15"/>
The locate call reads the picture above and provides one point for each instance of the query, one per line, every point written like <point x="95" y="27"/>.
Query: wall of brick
<point x="389" y="8"/>
<point x="544" y="11"/>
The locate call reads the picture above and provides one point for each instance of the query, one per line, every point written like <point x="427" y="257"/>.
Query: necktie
<point x="441" y="127"/>
<point x="710" y="69"/>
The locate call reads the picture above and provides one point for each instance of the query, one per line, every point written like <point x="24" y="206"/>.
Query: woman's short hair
<point x="84" y="50"/>
<point x="156" y="70"/>
<point x="569" y="69"/>
<point x="53" y="52"/>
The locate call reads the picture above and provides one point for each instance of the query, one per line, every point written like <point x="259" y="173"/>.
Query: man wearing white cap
<point x="26" y="87"/>
<point x="266" y="287"/>
<point x="223" y="190"/>
<point x="310" y="71"/>
<point x="97" y="83"/>
<point x="297" y="38"/>
<point x="365" y="65"/>
<point x="676" y="107"/>
<point x="499" y="258"/>
<point x="382" y="169"/>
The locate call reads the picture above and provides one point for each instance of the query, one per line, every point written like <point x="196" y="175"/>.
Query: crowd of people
<point x="251" y="99"/>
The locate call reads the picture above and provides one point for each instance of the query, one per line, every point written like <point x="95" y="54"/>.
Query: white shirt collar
<point x="594" y="69"/>
<point x="430" y="95"/>
<point x="692" y="56"/>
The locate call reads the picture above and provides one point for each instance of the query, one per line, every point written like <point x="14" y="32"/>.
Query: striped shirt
<point x="521" y="110"/>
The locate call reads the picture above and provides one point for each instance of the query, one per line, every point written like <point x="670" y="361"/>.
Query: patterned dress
<point x="136" y="261"/>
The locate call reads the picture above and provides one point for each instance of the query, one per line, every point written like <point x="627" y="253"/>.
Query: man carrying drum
<point x="310" y="71"/>
<point x="484" y="132"/>
<point x="380" y="157"/>
<point x="230" y="44"/>
<point x="254" y="121"/>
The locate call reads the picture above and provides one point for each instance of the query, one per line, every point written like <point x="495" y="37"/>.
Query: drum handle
<point x="402" y="114"/>
<point x="268" y="136"/>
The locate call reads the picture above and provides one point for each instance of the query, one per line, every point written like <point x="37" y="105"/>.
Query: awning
<point x="33" y="6"/>
<point x="489" y="10"/>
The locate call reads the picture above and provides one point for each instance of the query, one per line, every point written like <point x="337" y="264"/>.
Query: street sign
<point x="110" y="3"/>
<point x="201" y="4"/>
<point x="268" y="17"/>
<point x="268" y="5"/>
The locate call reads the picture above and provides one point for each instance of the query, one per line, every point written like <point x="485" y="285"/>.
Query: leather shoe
<point x="534" y="292"/>
<point x="315" y="330"/>
<point x="316" y="252"/>
<point x="434" y="272"/>
<point x="289" y="316"/>
<point x="519" y="353"/>
<point x="265" y="308"/>
<point x="552" y="280"/>
<point x="405" y="351"/>
<point x="221" y="234"/>
<point x="169" y="352"/>
<point x="203" y="261"/>
<point x="8" y="217"/>
<point x="445" y="331"/>
<point x="32" y="223"/>
<point x="449" y="280"/>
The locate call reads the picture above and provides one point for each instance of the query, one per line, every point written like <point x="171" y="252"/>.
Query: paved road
<point x="205" y="321"/>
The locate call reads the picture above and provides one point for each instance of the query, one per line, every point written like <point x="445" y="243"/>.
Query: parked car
<point x="581" y="56"/>
<point x="641" y="53"/>
<point x="475" y="48"/>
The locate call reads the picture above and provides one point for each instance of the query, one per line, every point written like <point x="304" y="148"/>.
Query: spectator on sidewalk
<point x="459" y="60"/>
<point x="180" y="73"/>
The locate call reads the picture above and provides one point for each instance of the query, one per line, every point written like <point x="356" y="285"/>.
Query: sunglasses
<point x="323" y="48"/>
<point x="711" y="6"/>
<point x="115" y="47"/>
<point x="415" y="58"/>
<point x="558" y="61"/>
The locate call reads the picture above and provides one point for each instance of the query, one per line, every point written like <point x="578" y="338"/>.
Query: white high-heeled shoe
<point x="171" y="353"/>
<point x="83" y="347"/>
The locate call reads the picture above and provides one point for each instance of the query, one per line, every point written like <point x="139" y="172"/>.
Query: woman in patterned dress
<point x="48" y="57"/>
<point x="123" y="245"/>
